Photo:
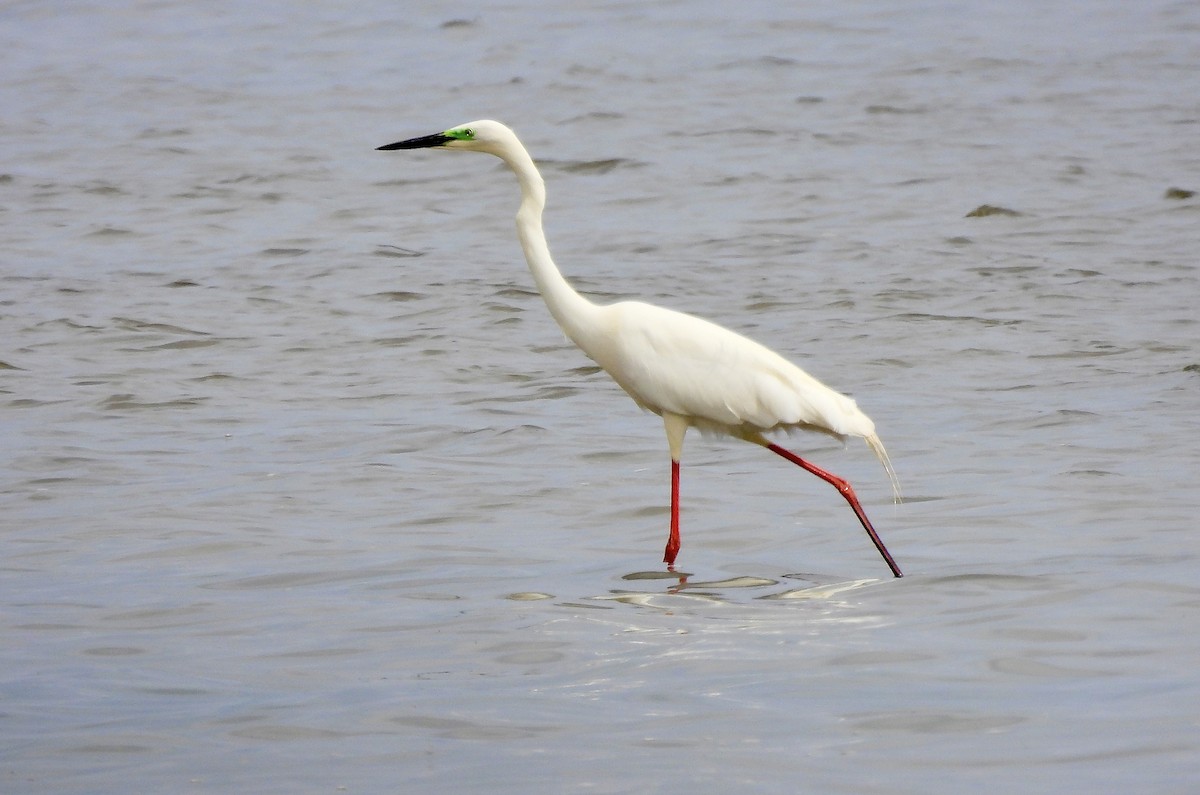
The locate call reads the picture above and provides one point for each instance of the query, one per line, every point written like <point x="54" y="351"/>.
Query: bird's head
<point x="479" y="136"/>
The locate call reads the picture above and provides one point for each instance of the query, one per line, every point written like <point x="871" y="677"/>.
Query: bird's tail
<point x="877" y="447"/>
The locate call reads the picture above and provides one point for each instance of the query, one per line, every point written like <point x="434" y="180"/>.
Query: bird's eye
<point x="468" y="133"/>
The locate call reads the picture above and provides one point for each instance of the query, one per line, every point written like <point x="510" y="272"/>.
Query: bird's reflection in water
<point x="682" y="587"/>
<point x="681" y="590"/>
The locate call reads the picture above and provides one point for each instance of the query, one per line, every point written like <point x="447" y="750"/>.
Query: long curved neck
<point x="569" y="308"/>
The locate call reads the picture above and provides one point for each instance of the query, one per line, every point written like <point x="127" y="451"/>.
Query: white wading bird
<point x="690" y="372"/>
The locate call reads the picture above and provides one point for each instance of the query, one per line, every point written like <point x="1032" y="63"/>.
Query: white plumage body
<point x="721" y="381"/>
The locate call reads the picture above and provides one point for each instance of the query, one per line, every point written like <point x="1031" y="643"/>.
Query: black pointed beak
<point x="424" y="142"/>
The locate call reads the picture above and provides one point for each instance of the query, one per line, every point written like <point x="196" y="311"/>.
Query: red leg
<point x="673" y="540"/>
<point x="843" y="487"/>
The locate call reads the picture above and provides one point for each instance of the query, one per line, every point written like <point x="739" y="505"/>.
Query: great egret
<point x="690" y="372"/>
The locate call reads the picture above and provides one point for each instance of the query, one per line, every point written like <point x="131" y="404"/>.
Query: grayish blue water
<point x="303" y="491"/>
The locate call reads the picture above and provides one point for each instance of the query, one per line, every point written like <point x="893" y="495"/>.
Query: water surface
<point x="304" y="492"/>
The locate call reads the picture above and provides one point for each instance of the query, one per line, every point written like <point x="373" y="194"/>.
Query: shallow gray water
<point x="304" y="492"/>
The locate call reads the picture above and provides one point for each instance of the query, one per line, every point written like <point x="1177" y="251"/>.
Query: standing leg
<point x="673" y="540"/>
<point x="676" y="426"/>
<point x="843" y="487"/>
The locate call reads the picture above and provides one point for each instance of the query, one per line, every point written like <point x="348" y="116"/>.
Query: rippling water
<point x="304" y="492"/>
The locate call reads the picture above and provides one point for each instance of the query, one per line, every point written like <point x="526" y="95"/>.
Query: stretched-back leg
<point x="844" y="488"/>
